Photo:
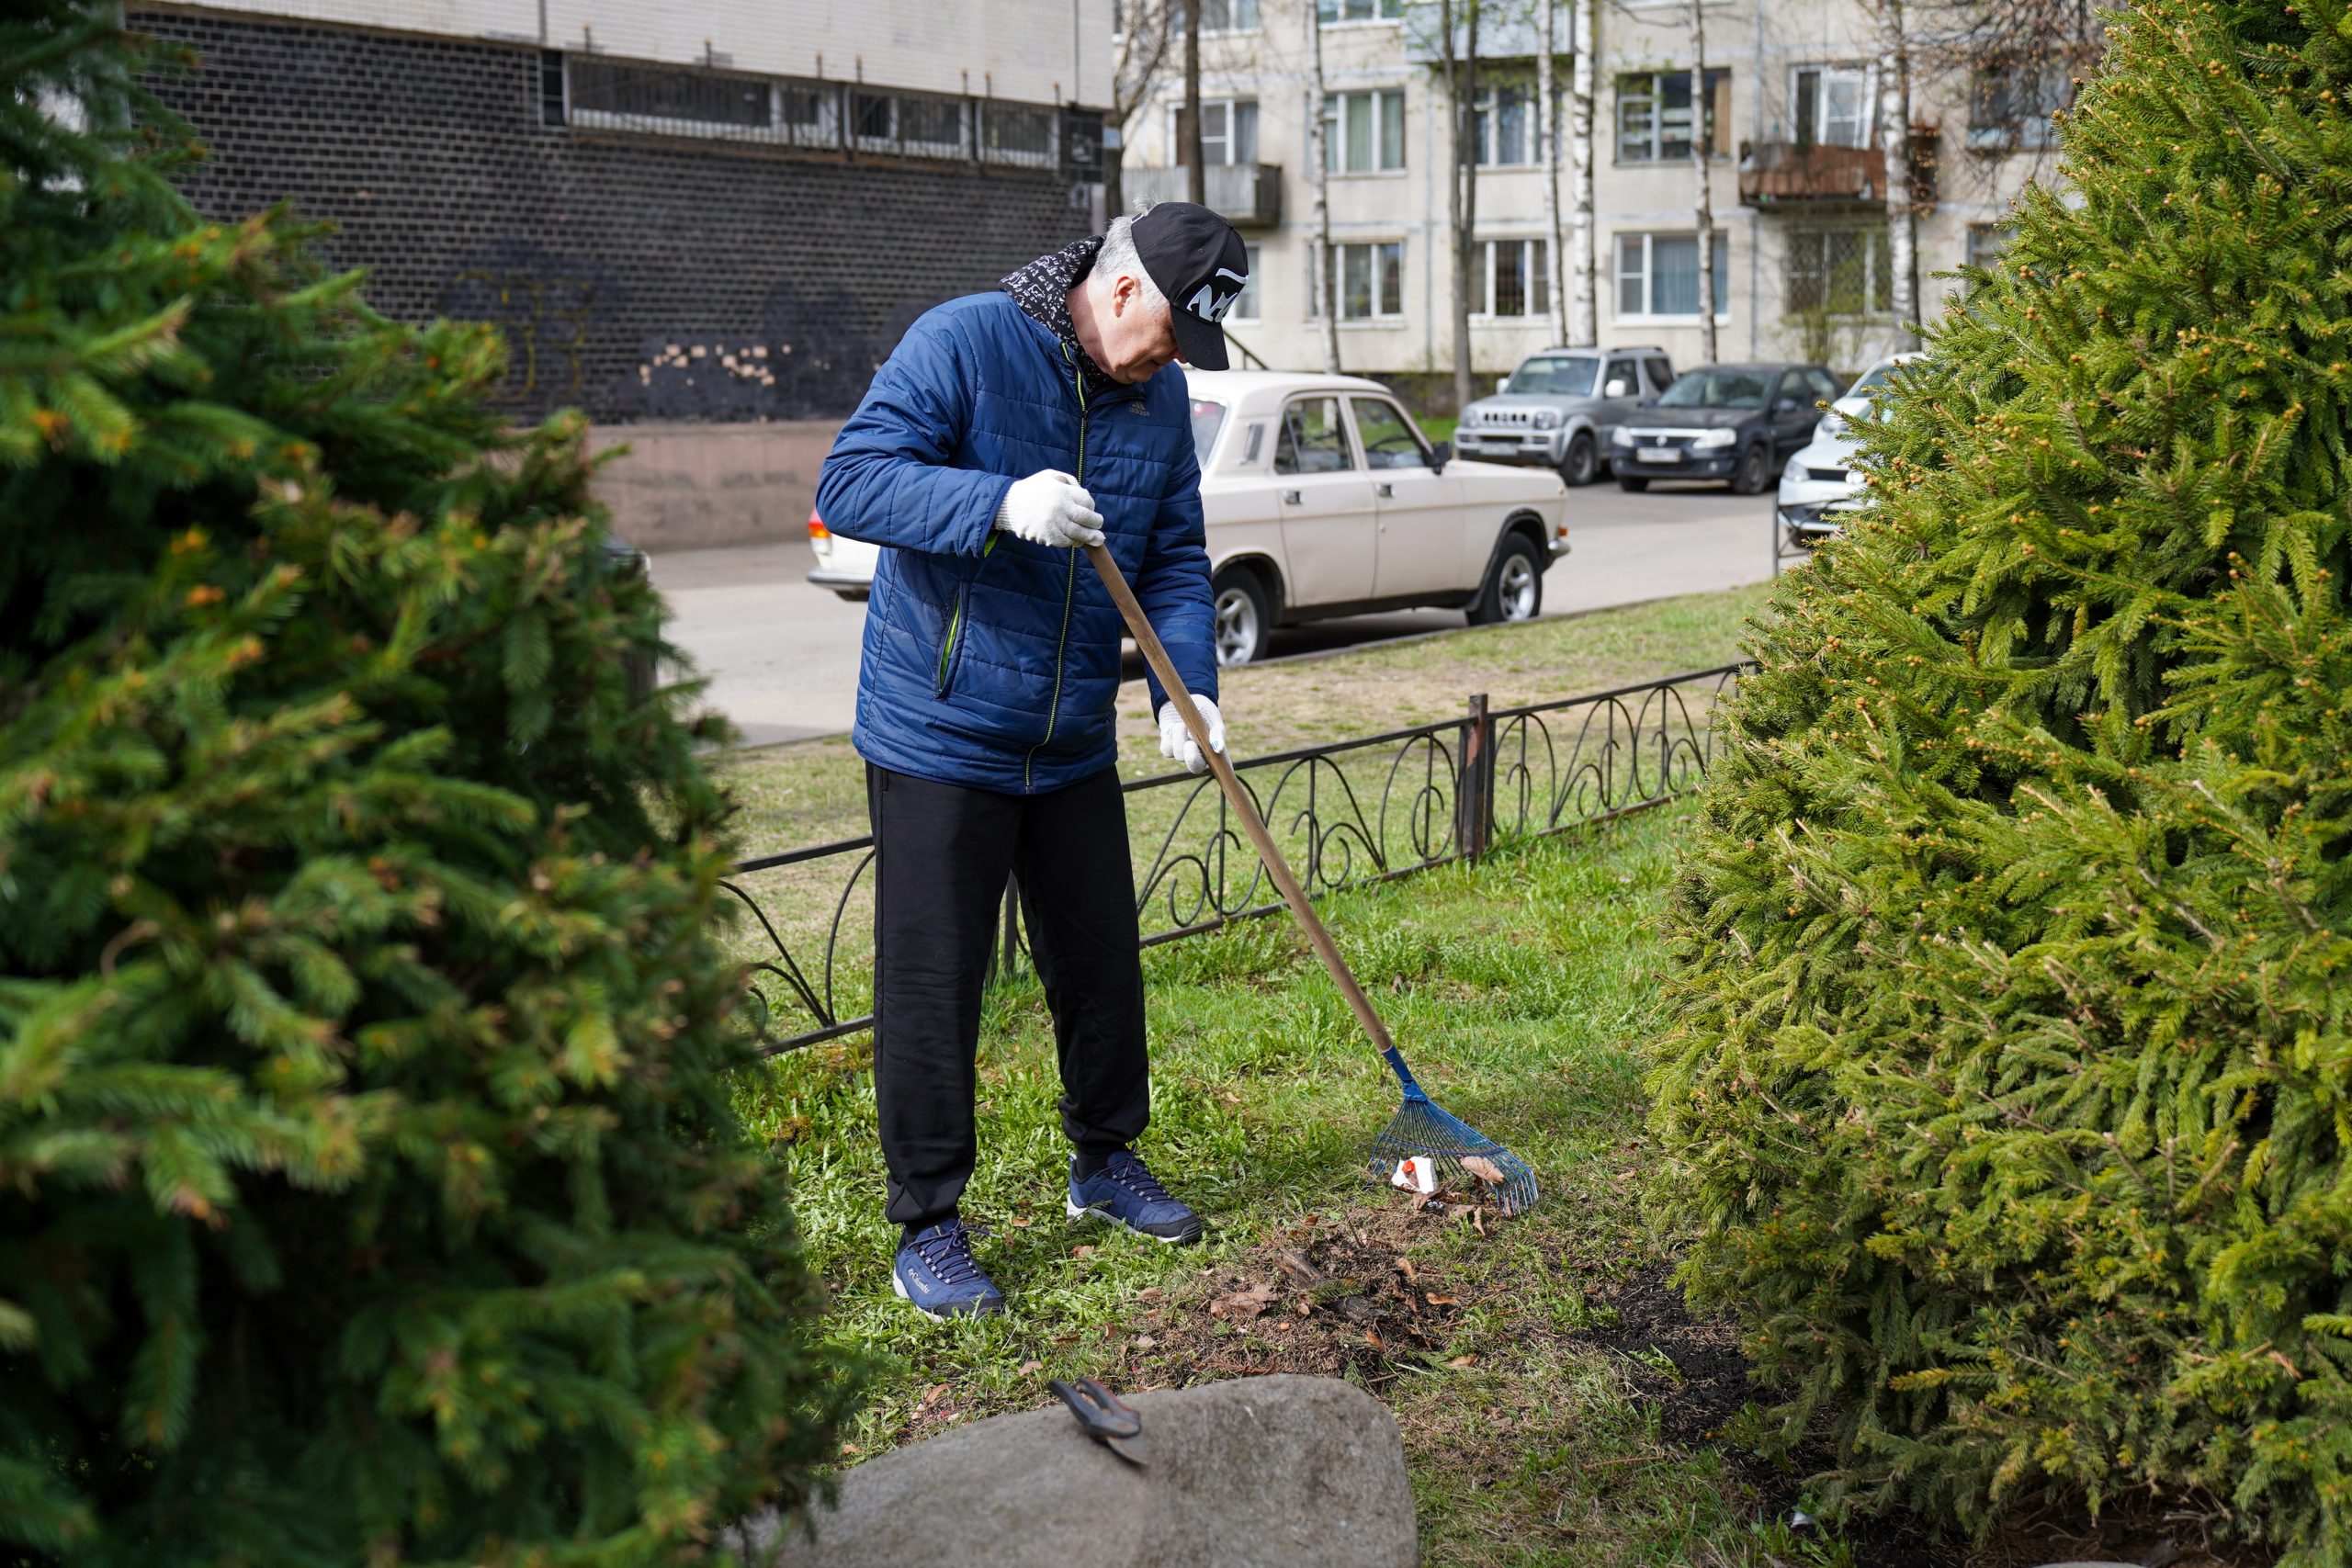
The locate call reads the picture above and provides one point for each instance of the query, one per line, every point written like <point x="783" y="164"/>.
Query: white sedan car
<point x="1323" y="499"/>
<point x="1820" y="481"/>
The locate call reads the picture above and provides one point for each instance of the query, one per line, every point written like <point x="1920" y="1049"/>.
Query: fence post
<point x="1475" y="802"/>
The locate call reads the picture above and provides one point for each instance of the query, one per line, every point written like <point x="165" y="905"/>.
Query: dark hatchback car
<point x="1737" y="423"/>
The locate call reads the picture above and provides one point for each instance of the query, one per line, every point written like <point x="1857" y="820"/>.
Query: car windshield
<point x="1873" y="380"/>
<point x="1208" y="418"/>
<point x="1717" y="390"/>
<point x="1557" y="374"/>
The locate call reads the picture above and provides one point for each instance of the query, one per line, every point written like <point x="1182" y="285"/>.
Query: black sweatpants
<point x="940" y="859"/>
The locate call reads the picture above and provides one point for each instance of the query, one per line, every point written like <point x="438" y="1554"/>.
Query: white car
<point x="1323" y="499"/>
<point x="1820" y="481"/>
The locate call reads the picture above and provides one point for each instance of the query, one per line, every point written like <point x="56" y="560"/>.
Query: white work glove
<point x="1177" y="742"/>
<point x="1050" y="508"/>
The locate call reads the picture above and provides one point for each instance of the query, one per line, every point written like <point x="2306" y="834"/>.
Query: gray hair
<point x="1117" y="258"/>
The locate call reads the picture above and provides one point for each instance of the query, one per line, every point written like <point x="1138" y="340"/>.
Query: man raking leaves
<point x="1006" y="430"/>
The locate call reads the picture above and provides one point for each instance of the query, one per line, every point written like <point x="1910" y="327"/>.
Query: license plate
<point x="1657" y="455"/>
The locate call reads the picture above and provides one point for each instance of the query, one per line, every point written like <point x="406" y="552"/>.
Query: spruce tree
<point x="369" y="1191"/>
<point x="2007" y="1094"/>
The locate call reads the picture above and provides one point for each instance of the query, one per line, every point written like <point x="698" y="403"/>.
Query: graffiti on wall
<point x="545" y="305"/>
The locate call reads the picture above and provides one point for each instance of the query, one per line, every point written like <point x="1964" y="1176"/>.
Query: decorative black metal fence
<point x="1348" y="814"/>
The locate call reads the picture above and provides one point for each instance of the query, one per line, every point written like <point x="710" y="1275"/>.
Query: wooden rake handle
<point x="1239" y="798"/>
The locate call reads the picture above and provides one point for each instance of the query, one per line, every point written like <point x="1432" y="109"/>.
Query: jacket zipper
<point x="955" y="630"/>
<point x="1070" y="589"/>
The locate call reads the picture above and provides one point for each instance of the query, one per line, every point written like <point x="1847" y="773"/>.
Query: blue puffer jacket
<point x="990" y="661"/>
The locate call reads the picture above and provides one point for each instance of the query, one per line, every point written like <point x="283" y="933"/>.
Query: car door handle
<point x="1387" y="489"/>
<point x="1290" y="498"/>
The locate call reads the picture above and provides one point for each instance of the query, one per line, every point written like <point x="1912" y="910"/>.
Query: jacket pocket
<point x="950" y="644"/>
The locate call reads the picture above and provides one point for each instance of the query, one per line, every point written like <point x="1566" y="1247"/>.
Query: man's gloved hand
<point x="1177" y="742"/>
<point x="1050" y="508"/>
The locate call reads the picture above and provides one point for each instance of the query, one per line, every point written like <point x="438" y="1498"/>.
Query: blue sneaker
<point x="1125" y="1192"/>
<point x="935" y="1272"/>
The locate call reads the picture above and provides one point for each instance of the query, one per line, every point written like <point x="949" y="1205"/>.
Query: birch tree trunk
<point x="1584" y="294"/>
<point x="1705" y="201"/>
<point x="1894" y="137"/>
<point x="1547" y="157"/>
<point x="1319" y="153"/>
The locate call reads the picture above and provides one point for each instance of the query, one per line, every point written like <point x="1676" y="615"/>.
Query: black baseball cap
<point x="1198" y="262"/>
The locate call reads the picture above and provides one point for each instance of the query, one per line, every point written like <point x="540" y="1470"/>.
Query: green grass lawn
<point x="1558" y="1407"/>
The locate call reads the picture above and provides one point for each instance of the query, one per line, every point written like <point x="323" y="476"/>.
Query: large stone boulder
<point x="1301" y="1472"/>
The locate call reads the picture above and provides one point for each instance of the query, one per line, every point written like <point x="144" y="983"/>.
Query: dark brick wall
<point x="637" y="277"/>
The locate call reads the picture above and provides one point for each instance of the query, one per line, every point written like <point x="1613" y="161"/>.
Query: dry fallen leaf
<point x="1437" y="1301"/>
<point x="1021" y="1222"/>
<point x="1149" y="1294"/>
<point x="1479" y="1218"/>
<point x="1028" y="1367"/>
<point x="1295" y="1263"/>
<point x="1460" y="1362"/>
<point x="1145" y="1342"/>
<point x="1485" y="1170"/>
<point x="1244" y="1304"/>
<point x="1372" y="1337"/>
<point x="1081" y="1252"/>
<point x="1405" y="1267"/>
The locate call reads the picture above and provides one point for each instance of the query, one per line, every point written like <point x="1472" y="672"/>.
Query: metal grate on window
<point x="1017" y="133"/>
<point x="913" y="124"/>
<point x="683" y="100"/>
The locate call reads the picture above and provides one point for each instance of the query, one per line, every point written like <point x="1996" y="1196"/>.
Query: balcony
<point x="1788" y="173"/>
<point x="1247" y="196"/>
<point x="1791" y="174"/>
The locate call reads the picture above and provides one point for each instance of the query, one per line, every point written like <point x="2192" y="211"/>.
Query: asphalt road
<point x="781" y="657"/>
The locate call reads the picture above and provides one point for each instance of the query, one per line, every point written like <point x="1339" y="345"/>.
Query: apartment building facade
<point x="1791" y="98"/>
<point x="703" y="226"/>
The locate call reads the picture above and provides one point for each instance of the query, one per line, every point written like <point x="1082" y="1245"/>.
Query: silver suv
<point x="1560" y="408"/>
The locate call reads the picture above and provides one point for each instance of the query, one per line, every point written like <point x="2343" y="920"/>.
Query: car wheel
<point x="1753" y="474"/>
<point x="1244" y="619"/>
<point x="1514" y="587"/>
<point x="1583" y="463"/>
<point x="1634" y="482"/>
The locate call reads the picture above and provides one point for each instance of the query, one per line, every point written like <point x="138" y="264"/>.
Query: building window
<point x="1833" y="105"/>
<point x="2013" y="105"/>
<point x="1245" y="304"/>
<point x="1017" y="133"/>
<point x="908" y="123"/>
<point x="1511" y="278"/>
<point x="1364" y="133"/>
<point x="681" y="100"/>
<point x="1653" y="115"/>
<point x="1658" y="275"/>
<point x="1506" y="118"/>
<point x="1840" y="272"/>
<point x="1360" y="10"/>
<point x="1228" y="131"/>
<point x="1369" y="281"/>
<point x="1217" y="16"/>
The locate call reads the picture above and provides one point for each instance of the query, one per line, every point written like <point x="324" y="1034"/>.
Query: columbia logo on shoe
<point x="935" y="1272"/>
<point x="1125" y="1192"/>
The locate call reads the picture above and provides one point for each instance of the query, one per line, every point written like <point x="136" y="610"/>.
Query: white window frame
<point x="1865" y="76"/>
<point x="1701" y="104"/>
<point x="1489" y="125"/>
<point x="1014" y="156"/>
<point x="1248" y="306"/>
<point x="1648" y="274"/>
<point x="1877" y="246"/>
<point x="1333" y="285"/>
<point x="1384" y="13"/>
<point x="1533" y="255"/>
<point x="1335" y="128"/>
<point x="1176" y="132"/>
<point x="1255" y="9"/>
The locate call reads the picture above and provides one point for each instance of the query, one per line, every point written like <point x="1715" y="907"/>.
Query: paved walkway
<point x="781" y="657"/>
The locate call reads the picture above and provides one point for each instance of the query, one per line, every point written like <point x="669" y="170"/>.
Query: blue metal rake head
<point x="1424" y="1129"/>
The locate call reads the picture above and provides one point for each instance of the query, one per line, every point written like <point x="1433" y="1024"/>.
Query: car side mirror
<point x="1788" y="405"/>
<point x="1439" y="456"/>
<point x="1502" y="385"/>
<point x="1615" y="389"/>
